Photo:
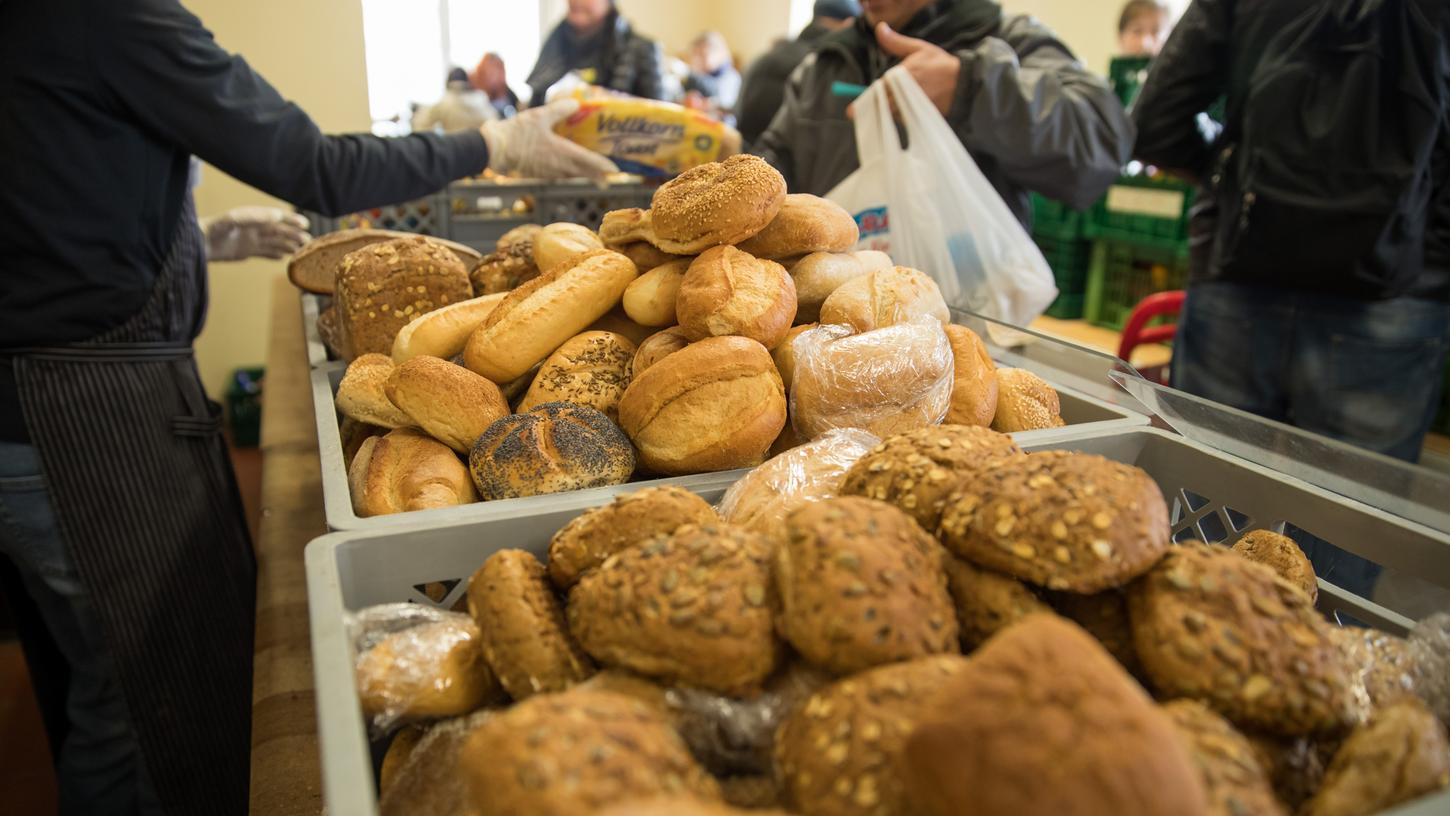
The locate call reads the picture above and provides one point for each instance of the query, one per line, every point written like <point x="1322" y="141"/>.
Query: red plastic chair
<point x="1137" y="332"/>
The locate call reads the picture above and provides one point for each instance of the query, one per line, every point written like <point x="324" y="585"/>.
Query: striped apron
<point x="147" y="503"/>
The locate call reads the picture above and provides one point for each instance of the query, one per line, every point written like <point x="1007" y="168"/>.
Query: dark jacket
<point x="1031" y="116"/>
<point x="764" y="87"/>
<point x="1212" y="53"/>
<point x="621" y="60"/>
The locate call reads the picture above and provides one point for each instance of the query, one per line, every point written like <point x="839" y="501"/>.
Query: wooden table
<point x="1098" y="338"/>
<point x="286" y="775"/>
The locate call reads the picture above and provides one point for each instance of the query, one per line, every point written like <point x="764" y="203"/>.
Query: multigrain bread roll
<point x="428" y="782"/>
<point x="510" y="264"/>
<point x="443" y="332"/>
<point x="716" y="204"/>
<point x="313" y="268"/>
<point x="713" y="405"/>
<point x="1025" y="402"/>
<point x="523" y="635"/>
<point x="382" y="287"/>
<point x="726" y="291"/>
<point x="535" y="319"/>
<point x="784" y="354"/>
<point x="561" y="243"/>
<point x="1400" y="755"/>
<point x="555" y="447"/>
<point x="656" y="347"/>
<point x="1227" y="765"/>
<point x="451" y="403"/>
<point x="427" y="671"/>
<point x="1104" y="615"/>
<point x="591" y="369"/>
<point x="1040" y="722"/>
<point x="1282" y="555"/>
<point x="362" y="394"/>
<point x="819" y="274"/>
<point x="406" y="471"/>
<point x="650" y="299"/>
<point x="861" y="584"/>
<point x="1382" y="663"/>
<point x="884" y="298"/>
<point x="767" y="495"/>
<point x="974" y="387"/>
<point x="629" y="520"/>
<point x="805" y="224"/>
<point x="987" y="602"/>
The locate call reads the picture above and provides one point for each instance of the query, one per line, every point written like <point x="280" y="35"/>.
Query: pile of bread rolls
<point x="956" y="627"/>
<point x="727" y="322"/>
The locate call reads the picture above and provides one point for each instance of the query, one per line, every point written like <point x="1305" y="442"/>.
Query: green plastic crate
<point x="1126" y="76"/>
<point x="1053" y="219"/>
<point x="244" y="407"/>
<point x="1068" y="306"/>
<point x="1122" y="274"/>
<point x="1069" y="260"/>
<point x="1152" y="211"/>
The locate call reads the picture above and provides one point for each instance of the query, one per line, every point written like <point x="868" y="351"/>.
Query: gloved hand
<point x="253" y="232"/>
<point x="527" y="145"/>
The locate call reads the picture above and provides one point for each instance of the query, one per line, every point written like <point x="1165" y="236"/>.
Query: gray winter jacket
<point x="1028" y="112"/>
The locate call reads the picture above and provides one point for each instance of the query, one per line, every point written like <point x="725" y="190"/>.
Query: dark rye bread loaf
<point x="556" y="447"/>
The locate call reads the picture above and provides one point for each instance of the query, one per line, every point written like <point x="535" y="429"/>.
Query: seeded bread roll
<point x="573" y="753"/>
<point x="406" y="471"/>
<point x="974" y="389"/>
<point x="1065" y="521"/>
<point x="451" y="403"/>
<point x="1381" y="663"/>
<point x="1040" y="722"/>
<point x="819" y="274"/>
<point x="443" y="332"/>
<point x="716" y="204"/>
<point x="553" y="448"/>
<point x="656" y="347"/>
<point x="713" y="405"/>
<point x="918" y="470"/>
<point x="1104" y="615"/>
<point x="862" y="585"/>
<point x="313" y="268"/>
<point x="1400" y="755"/>
<point x="837" y="754"/>
<point x="650" y="299"/>
<point x="784" y="354"/>
<point x="432" y="670"/>
<point x="805" y="224"/>
<point x="1219" y="628"/>
<point x="1227" y="766"/>
<point x="590" y="369"/>
<point x="382" y="287"/>
<point x="630" y="520"/>
<point x="524" y="637"/>
<point x="535" y="319"/>
<point x="628" y="684"/>
<point x="561" y="243"/>
<point x="986" y="602"/>
<point x="725" y="291"/>
<point x="1282" y="555"/>
<point x="1025" y="402"/>
<point x="510" y="265"/>
<point x="754" y="793"/>
<point x="362" y="393"/>
<point x="884" y="298"/>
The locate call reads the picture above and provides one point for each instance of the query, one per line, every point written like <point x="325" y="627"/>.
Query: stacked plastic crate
<point x="1058" y="231"/>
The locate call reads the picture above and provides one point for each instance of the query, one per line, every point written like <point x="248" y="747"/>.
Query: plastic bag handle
<point x="876" y="135"/>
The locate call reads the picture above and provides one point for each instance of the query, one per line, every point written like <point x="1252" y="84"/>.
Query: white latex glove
<point x="527" y="145"/>
<point x="253" y="232"/>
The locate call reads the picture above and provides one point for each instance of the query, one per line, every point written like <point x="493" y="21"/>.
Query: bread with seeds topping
<point x="1402" y="753"/>
<point x="522" y="624"/>
<point x="555" y="447"/>
<point x="1227" y="765"/>
<point x="1025" y="402"/>
<point x="987" y="602"/>
<point x="714" y="204"/>
<point x="590" y="369"/>
<point x="630" y="520"/>
<point x="382" y="287"/>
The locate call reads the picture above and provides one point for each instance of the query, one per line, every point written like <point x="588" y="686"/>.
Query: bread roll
<point x="805" y="224"/>
<point x="509" y="266"/>
<point x="591" y="369"/>
<point x="406" y="471"/>
<point x="539" y="316"/>
<point x="524" y="636"/>
<point x="382" y="287"/>
<point x="974" y="383"/>
<point x="819" y="274"/>
<point x="650" y="299"/>
<point x="429" y="783"/>
<point x="551" y="449"/>
<point x="630" y="226"/>
<point x="362" y="394"/>
<point x="432" y="670"/>
<point x="631" y="519"/>
<point x="329" y="332"/>
<point x="726" y="291"/>
<point x="763" y="499"/>
<point x="885" y="381"/>
<point x="451" y="403"/>
<point x="656" y="347"/>
<point x="560" y="243"/>
<point x="615" y="320"/>
<point x="443" y="332"/>
<point x="1025" y="402"/>
<point x="313" y="268"/>
<point x="784" y="354"/>
<point x="884" y="298"/>
<point x="352" y="434"/>
<point x="1227" y="766"/>
<point x="1281" y="554"/>
<point x="716" y="204"/>
<point x="714" y="405"/>
<point x="646" y="255"/>
<point x="1399" y="755"/>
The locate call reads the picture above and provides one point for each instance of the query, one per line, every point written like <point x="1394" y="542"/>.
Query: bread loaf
<point x="591" y="369"/>
<point x="406" y="471"/>
<point x="553" y="448"/>
<point x="726" y="291"/>
<point x="805" y="224"/>
<point x="443" y="332"/>
<point x="382" y="287"/>
<point x="716" y="204"/>
<point x="313" y="268"/>
<point x="561" y="243"/>
<point x="451" y="403"/>
<point x="974" y="383"/>
<point x="650" y="299"/>
<point x="656" y="347"/>
<point x="362" y="393"/>
<point x="884" y="298"/>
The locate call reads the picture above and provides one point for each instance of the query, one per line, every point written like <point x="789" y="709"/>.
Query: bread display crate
<point x="1212" y="495"/>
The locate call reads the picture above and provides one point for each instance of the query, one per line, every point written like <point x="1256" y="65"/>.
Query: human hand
<point x="935" y="69"/>
<point x="528" y="145"/>
<point x="253" y="232"/>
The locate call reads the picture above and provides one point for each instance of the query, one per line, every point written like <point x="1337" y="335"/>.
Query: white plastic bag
<point x="928" y="206"/>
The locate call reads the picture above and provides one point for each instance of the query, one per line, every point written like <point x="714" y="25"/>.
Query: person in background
<point x="712" y="74"/>
<point x="598" y="44"/>
<point x="462" y="108"/>
<point x="1143" y="26"/>
<point x="764" y="85"/>
<point x="490" y="77"/>
<point x="1029" y="113"/>
<point x="118" y="506"/>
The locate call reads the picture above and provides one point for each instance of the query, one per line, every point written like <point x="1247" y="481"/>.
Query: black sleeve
<point x="776" y="144"/>
<point x="760" y="97"/>
<point x="1186" y="78"/>
<point x="650" y="79"/>
<point x="170" y="74"/>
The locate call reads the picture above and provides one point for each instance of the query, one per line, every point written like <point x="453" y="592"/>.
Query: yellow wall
<point x="1089" y="27"/>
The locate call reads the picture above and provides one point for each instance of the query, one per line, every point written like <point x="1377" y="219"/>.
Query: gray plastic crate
<point x="352" y="570"/>
<point x="312" y="305"/>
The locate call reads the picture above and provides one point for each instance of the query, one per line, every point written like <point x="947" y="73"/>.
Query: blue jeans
<point x="99" y="766"/>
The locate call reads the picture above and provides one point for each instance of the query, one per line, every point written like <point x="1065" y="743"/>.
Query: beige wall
<point x="1089" y="27"/>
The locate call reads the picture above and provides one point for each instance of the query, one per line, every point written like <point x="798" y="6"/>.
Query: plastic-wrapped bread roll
<point x="650" y="299"/>
<point x="885" y="298"/>
<point x="419" y="663"/>
<point x="778" y="487"/>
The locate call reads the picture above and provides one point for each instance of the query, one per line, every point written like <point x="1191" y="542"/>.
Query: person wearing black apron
<point x="118" y="509"/>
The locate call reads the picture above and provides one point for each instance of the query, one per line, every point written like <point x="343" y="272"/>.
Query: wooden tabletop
<point x="286" y="776"/>
<point x="1098" y="338"/>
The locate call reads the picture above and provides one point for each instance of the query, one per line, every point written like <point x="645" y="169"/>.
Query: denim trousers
<point x="99" y="767"/>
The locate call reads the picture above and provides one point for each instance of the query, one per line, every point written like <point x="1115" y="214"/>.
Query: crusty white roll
<point x="805" y="224"/>
<point x="650" y="299"/>
<point x="361" y="394"/>
<point x="884" y="298"/>
<point x="726" y="291"/>
<point x="656" y="347"/>
<point x="591" y="369"/>
<point x="623" y="227"/>
<point x="646" y="255"/>
<point x="1025" y="402"/>
<point x="562" y="242"/>
<point x="443" y="332"/>
<point x="539" y="316"/>
<point x="974" y="383"/>
<point x="406" y="471"/>
<point x="819" y="274"/>
<point x="784" y="354"/>
<point x="452" y="404"/>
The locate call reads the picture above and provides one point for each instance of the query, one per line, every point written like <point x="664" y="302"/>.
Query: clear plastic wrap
<point x="428" y="782"/>
<point x="733" y="737"/>
<point x="762" y="500"/>
<point x="1430" y="654"/>
<point x="418" y="663"/>
<point x="886" y="381"/>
